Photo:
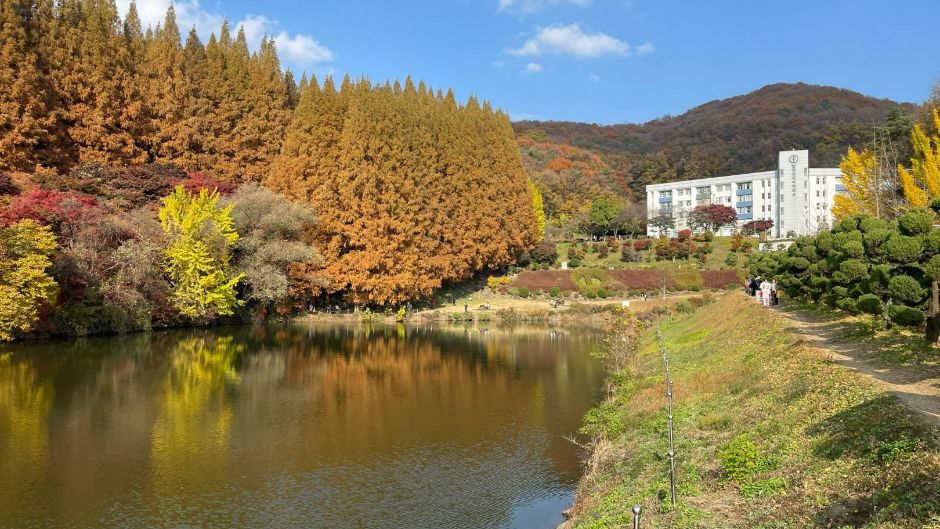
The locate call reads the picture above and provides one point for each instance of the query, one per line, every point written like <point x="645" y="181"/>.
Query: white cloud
<point x="189" y="14"/>
<point x="298" y="51"/>
<point x="594" y="77"/>
<point x="301" y="49"/>
<point x="531" y="6"/>
<point x="533" y="67"/>
<point x="645" y="49"/>
<point x="571" y="40"/>
<point x="499" y="64"/>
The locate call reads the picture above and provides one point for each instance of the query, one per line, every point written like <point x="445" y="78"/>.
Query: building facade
<point x="796" y="197"/>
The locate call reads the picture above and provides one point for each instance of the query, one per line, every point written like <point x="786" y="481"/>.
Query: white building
<point x="797" y="198"/>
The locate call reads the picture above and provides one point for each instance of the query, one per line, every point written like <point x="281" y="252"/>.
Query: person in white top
<point x="765" y="292"/>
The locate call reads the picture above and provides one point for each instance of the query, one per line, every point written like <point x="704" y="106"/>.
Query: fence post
<point x="672" y="476"/>
<point x="669" y="425"/>
<point x="636" y="516"/>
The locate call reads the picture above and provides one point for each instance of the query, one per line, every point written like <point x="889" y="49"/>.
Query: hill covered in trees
<point x="146" y="180"/>
<point x="735" y="135"/>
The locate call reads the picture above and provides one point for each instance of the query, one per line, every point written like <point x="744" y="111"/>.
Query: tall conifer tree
<point x="24" y="116"/>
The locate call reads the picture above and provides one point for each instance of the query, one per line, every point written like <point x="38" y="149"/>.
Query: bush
<point x="906" y="316"/>
<point x="708" y="236"/>
<point x="870" y="304"/>
<point x="906" y="289"/>
<point x="740" y="459"/>
<point x="642" y="244"/>
<point x="554" y="292"/>
<point x="684" y="307"/>
<point x="602" y="252"/>
<point x="731" y="260"/>
<point x="854" y="249"/>
<point x="574" y="263"/>
<point x="7" y="187"/>
<point x="590" y="293"/>
<point x="903" y="249"/>
<point x="854" y="269"/>
<point x="847" y="304"/>
<point x="544" y="252"/>
<point x="628" y="254"/>
<point x="603" y="294"/>
<point x="575" y="253"/>
<point x="915" y="222"/>
<point x="522" y="292"/>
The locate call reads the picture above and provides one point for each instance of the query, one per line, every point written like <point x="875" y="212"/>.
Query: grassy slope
<point x="845" y="453"/>
<point x="716" y="260"/>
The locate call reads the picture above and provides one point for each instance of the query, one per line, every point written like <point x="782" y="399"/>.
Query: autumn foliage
<point x="412" y="189"/>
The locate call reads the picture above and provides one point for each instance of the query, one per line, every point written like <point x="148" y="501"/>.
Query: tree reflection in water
<point x="313" y="426"/>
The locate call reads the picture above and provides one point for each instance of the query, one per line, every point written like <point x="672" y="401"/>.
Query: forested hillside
<point x="728" y="136"/>
<point x="150" y="180"/>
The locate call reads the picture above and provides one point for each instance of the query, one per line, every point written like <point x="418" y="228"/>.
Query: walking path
<point x="917" y="386"/>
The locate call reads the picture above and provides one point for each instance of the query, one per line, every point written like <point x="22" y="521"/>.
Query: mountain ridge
<point x="734" y="135"/>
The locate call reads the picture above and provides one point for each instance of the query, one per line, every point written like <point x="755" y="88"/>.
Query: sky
<point x="596" y="61"/>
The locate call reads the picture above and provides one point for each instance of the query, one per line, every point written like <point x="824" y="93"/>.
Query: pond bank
<point x="769" y="433"/>
<point x="509" y="309"/>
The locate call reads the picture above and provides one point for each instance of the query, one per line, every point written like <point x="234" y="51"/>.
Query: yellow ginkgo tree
<point x="200" y="236"/>
<point x="921" y="183"/>
<point x="860" y="178"/>
<point x="26" y="248"/>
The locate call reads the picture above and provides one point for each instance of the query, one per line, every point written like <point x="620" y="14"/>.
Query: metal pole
<point x="671" y="447"/>
<point x="636" y="516"/>
<point x="672" y="476"/>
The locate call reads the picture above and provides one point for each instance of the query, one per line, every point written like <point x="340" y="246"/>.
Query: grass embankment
<point x="769" y="434"/>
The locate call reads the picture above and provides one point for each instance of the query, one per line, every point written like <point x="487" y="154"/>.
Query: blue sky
<point x="616" y="61"/>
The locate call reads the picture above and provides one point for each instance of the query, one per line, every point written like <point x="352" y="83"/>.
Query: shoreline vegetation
<point x="769" y="432"/>
<point x="148" y="183"/>
<point x="496" y="308"/>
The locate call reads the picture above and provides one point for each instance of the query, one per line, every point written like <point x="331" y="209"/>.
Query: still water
<point x="295" y="426"/>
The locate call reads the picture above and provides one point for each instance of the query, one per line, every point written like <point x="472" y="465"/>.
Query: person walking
<point x="755" y="286"/>
<point x="773" y="292"/>
<point x="765" y="292"/>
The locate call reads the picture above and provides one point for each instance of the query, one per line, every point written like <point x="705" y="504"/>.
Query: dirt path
<point x="917" y="386"/>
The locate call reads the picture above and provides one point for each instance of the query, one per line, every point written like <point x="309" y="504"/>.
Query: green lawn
<point x="716" y="260"/>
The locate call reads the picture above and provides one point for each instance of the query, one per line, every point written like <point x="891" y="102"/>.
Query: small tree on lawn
<point x="663" y="222"/>
<point x="760" y="227"/>
<point x="714" y="216"/>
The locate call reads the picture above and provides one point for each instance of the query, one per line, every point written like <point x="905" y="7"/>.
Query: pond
<point x="296" y="425"/>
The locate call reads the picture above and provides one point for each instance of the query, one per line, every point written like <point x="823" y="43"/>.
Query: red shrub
<point x="642" y="244"/>
<point x="62" y="211"/>
<point x="199" y="181"/>
<point x="545" y="279"/>
<point x="720" y="278"/>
